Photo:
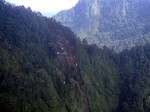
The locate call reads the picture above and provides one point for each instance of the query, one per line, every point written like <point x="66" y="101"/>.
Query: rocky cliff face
<point x="112" y="23"/>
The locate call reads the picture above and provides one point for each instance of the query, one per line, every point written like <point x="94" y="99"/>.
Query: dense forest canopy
<point x="45" y="68"/>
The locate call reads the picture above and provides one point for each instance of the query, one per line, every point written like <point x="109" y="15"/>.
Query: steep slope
<point x="44" y="68"/>
<point x="135" y="84"/>
<point x="117" y="24"/>
<point x="35" y="75"/>
<point x="39" y="64"/>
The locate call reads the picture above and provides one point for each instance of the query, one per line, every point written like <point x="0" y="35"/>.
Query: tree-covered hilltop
<point x="36" y="60"/>
<point x="44" y="68"/>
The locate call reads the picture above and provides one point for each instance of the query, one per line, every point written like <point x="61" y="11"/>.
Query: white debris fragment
<point x="76" y="64"/>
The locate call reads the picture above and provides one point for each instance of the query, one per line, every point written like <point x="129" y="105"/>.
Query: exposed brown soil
<point x="68" y="59"/>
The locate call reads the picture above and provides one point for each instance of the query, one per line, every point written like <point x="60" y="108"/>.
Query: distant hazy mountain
<point x="117" y="24"/>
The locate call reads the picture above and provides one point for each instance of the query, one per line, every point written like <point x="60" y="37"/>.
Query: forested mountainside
<point x="44" y="68"/>
<point x="117" y="24"/>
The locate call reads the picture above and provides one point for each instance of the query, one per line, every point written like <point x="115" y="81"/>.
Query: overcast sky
<point x="46" y="7"/>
